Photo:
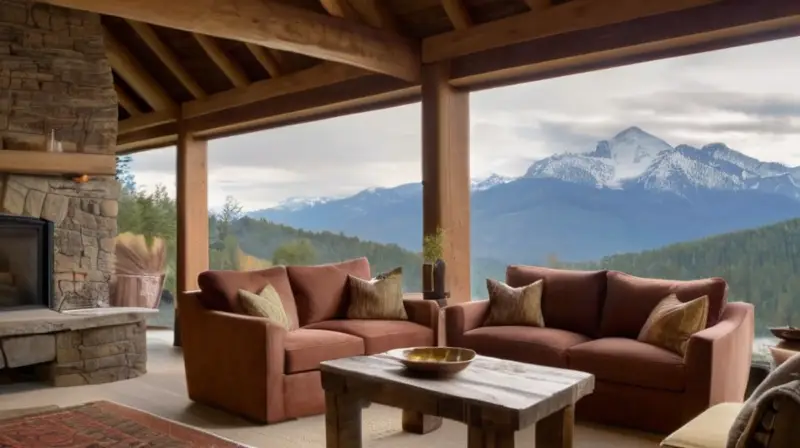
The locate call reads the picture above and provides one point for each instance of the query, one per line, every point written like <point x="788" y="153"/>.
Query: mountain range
<point x="629" y="193"/>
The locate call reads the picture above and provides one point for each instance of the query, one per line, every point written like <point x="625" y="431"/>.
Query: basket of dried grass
<point x="140" y="271"/>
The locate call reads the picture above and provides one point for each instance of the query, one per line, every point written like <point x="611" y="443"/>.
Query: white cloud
<point x="746" y="97"/>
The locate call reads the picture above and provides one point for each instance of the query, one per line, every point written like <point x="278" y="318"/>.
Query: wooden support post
<point x="445" y="174"/>
<point x="192" y="202"/>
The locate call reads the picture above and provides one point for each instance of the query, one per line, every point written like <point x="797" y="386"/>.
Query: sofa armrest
<point x="233" y="361"/>
<point x="718" y="358"/>
<point x="423" y="312"/>
<point x="462" y="317"/>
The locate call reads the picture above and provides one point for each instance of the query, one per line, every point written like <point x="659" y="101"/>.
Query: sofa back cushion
<point x="571" y="300"/>
<point x="220" y="289"/>
<point x="321" y="291"/>
<point x="630" y="300"/>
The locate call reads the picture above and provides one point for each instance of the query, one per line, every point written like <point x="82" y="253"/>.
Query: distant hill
<point x="762" y="266"/>
<point x="630" y="193"/>
<point x="262" y="238"/>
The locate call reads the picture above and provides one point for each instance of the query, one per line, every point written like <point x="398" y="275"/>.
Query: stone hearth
<point x="75" y="349"/>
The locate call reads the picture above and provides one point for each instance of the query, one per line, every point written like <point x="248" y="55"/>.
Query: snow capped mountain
<point x="299" y="203"/>
<point x="489" y="182"/>
<point x="636" y="159"/>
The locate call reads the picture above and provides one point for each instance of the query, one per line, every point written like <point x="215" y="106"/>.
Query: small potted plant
<point x="433" y="267"/>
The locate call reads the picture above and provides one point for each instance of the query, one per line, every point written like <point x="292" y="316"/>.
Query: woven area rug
<point x="102" y="424"/>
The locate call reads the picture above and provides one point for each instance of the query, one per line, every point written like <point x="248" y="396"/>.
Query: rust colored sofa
<point x="592" y="320"/>
<point x="257" y="369"/>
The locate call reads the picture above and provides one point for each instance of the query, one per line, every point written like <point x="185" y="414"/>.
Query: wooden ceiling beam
<point x="168" y="57"/>
<point x="145" y="121"/>
<point x="538" y="5"/>
<point x="376" y="13"/>
<point x="341" y="8"/>
<point x="267" y="59"/>
<point x="128" y="68"/>
<point x="567" y="17"/>
<point x="127" y="103"/>
<point x="457" y="13"/>
<point x="231" y="70"/>
<point x="712" y="27"/>
<point x="274" y="24"/>
<point x="320" y="75"/>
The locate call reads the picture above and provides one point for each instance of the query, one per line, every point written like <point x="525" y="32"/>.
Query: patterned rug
<point x="102" y="424"/>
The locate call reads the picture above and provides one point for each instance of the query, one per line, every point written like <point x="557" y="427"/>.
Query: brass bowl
<point x="434" y="360"/>
<point x="786" y="333"/>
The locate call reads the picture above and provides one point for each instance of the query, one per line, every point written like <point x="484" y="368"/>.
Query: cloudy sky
<point x="746" y="97"/>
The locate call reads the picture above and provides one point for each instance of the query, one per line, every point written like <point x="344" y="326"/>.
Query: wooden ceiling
<point x="222" y="67"/>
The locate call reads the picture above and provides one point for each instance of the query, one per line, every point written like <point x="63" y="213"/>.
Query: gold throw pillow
<point x="267" y="304"/>
<point x="514" y="306"/>
<point x="379" y="298"/>
<point x="672" y="323"/>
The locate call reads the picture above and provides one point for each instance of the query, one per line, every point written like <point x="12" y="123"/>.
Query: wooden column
<point x="192" y="203"/>
<point x="445" y="174"/>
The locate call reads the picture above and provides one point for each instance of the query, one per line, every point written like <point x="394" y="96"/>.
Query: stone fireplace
<point x="55" y="78"/>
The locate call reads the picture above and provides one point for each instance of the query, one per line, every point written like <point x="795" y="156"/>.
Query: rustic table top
<point x="523" y="392"/>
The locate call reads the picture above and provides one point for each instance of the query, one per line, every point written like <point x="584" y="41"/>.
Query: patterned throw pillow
<point x="266" y="304"/>
<point x="672" y="323"/>
<point x="379" y="298"/>
<point x="514" y="306"/>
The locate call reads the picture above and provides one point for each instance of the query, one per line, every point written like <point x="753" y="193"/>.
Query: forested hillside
<point x="762" y="266"/>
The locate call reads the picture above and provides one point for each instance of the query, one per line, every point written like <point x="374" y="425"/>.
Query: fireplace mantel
<point x="56" y="163"/>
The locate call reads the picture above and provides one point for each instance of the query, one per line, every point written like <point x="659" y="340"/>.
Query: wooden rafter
<point x="129" y="69"/>
<point x="341" y="8"/>
<point x="145" y="121"/>
<point x="267" y="59"/>
<point x="376" y="13"/>
<point x="127" y="102"/>
<point x="538" y="5"/>
<point x="318" y="76"/>
<point x="571" y="16"/>
<point x="231" y="70"/>
<point x="273" y="24"/>
<point x="168" y="57"/>
<point x="457" y="13"/>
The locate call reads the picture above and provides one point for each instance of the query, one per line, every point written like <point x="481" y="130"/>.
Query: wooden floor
<point x="163" y="392"/>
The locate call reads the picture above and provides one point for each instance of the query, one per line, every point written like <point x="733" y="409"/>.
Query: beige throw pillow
<point x="672" y="323"/>
<point x="266" y="303"/>
<point x="514" y="306"/>
<point x="379" y="298"/>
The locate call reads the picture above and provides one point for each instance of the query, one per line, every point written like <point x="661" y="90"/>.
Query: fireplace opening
<point x="26" y="262"/>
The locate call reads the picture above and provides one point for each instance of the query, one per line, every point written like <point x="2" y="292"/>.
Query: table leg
<point x="342" y="420"/>
<point x="417" y="423"/>
<point x="555" y="430"/>
<point x="489" y="438"/>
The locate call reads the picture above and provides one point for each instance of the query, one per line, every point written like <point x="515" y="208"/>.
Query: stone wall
<point x="54" y="76"/>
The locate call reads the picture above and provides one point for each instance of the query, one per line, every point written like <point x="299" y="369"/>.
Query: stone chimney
<point x="54" y="76"/>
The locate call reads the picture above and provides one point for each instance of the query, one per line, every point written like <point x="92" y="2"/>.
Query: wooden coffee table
<point x="493" y="397"/>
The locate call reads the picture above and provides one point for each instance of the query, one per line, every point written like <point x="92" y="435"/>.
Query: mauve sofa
<point x="257" y="369"/>
<point x="592" y="320"/>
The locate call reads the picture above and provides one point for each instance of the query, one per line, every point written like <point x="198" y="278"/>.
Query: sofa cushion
<point x="672" y="323"/>
<point x="220" y="289"/>
<point x="629" y="362"/>
<point x="320" y="291"/>
<point x="543" y="346"/>
<point x="377" y="298"/>
<point x="630" y="300"/>
<point x="381" y="335"/>
<point x="305" y="348"/>
<point x="514" y="306"/>
<point x="571" y="300"/>
<point x="267" y="304"/>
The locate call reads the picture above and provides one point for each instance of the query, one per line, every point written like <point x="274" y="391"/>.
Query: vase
<point x="433" y="282"/>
